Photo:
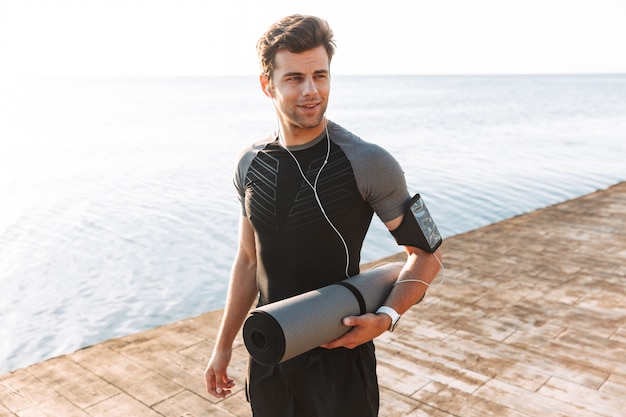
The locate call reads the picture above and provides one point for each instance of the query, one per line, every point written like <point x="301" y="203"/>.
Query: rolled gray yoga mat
<point x="279" y="331"/>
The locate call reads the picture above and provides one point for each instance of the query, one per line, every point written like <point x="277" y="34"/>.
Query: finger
<point x="349" y="321"/>
<point x="214" y="387"/>
<point x="223" y="385"/>
<point x="219" y="392"/>
<point x="334" y="343"/>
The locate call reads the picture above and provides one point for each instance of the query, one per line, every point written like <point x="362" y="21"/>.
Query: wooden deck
<point x="531" y="321"/>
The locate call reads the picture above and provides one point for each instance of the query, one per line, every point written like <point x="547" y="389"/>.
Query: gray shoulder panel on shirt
<point x="243" y="164"/>
<point x="378" y="174"/>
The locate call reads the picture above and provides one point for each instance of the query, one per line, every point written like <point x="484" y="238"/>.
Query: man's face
<point x="300" y="87"/>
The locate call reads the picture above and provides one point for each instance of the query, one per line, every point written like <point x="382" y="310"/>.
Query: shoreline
<point x="530" y="321"/>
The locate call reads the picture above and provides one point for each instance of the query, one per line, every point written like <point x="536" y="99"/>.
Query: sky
<point x="218" y="37"/>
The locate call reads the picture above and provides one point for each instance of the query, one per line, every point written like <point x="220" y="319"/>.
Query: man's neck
<point x="295" y="136"/>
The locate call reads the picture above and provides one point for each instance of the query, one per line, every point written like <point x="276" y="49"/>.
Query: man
<point x="308" y="193"/>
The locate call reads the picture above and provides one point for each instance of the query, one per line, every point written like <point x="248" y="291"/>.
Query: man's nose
<point x="309" y="87"/>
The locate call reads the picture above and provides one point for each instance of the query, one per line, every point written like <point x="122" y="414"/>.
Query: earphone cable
<point x="314" y="188"/>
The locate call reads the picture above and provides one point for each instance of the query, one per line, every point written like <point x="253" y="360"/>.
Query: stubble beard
<point x="307" y="122"/>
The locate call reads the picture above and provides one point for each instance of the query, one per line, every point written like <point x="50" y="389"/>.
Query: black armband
<point x="418" y="228"/>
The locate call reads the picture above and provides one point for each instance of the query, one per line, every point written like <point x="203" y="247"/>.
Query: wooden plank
<point x="54" y="407"/>
<point x="20" y="390"/>
<point x="531" y="403"/>
<point x="460" y="403"/>
<point x="600" y="402"/>
<point x="140" y="382"/>
<point x="121" y="404"/>
<point x="188" y="404"/>
<point x="72" y="381"/>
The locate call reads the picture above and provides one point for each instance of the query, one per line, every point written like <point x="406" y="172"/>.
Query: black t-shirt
<point x="299" y="246"/>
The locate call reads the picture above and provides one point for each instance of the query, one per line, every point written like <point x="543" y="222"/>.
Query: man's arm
<point x="420" y="265"/>
<point x="242" y="293"/>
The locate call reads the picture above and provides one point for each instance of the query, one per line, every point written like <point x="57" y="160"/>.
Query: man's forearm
<point x="420" y="266"/>
<point x="242" y="293"/>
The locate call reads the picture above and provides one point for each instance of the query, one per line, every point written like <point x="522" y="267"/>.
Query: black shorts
<point x="320" y="383"/>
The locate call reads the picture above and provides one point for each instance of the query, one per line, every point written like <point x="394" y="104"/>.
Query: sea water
<point x="118" y="213"/>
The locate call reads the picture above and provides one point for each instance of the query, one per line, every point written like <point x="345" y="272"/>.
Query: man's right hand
<point x="218" y="383"/>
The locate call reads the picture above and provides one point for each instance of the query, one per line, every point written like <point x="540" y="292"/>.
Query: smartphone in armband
<point x="418" y="227"/>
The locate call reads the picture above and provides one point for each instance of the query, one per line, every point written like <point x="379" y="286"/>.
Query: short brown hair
<point x="296" y="33"/>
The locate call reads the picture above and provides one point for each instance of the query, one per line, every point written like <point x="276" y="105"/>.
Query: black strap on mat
<point x="357" y="294"/>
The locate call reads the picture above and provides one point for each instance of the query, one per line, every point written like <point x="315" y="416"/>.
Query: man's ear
<point x="265" y="85"/>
